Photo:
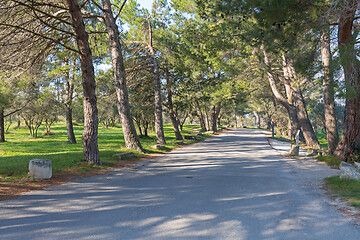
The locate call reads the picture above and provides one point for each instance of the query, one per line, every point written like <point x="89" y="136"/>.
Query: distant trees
<point x="41" y="109"/>
<point x="15" y="95"/>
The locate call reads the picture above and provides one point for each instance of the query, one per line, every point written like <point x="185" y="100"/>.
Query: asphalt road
<point x="232" y="186"/>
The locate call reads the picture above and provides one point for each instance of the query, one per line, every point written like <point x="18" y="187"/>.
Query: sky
<point x="145" y="3"/>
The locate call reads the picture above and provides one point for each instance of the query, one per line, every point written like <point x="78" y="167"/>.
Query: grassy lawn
<point x="321" y="136"/>
<point x="20" y="148"/>
<point x="347" y="189"/>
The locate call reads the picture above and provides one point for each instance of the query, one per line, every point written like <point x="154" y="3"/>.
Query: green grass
<point x="347" y="189"/>
<point x="280" y="138"/>
<point x="321" y="136"/>
<point x="330" y="160"/>
<point x="19" y="148"/>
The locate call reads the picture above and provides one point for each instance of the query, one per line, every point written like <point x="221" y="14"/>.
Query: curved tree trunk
<point x="332" y="135"/>
<point x="174" y="119"/>
<point x="349" y="142"/>
<point x="129" y="131"/>
<point x="90" y="134"/>
<point x="298" y="100"/>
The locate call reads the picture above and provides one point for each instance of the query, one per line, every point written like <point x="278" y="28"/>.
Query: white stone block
<point x="349" y="171"/>
<point x="40" y="168"/>
<point x="294" y="150"/>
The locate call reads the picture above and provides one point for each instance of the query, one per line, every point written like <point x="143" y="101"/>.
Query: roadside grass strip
<point x="347" y="189"/>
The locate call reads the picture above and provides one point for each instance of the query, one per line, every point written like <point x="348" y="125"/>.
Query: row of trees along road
<point x="206" y="61"/>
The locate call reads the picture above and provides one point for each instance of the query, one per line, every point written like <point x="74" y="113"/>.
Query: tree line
<point x="208" y="60"/>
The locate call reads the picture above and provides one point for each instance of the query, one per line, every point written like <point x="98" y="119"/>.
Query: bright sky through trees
<point x="146" y="3"/>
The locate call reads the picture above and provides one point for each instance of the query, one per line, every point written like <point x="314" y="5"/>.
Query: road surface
<point x="231" y="186"/>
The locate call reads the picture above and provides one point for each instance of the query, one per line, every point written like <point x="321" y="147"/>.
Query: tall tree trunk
<point x="129" y="131"/>
<point x="174" y="119"/>
<point x="215" y="111"/>
<point x="349" y="142"/>
<point x="200" y="116"/>
<point x="68" y="104"/>
<point x="218" y="110"/>
<point x="328" y="88"/>
<point x="305" y="125"/>
<point x="302" y="115"/>
<point x="2" y="125"/>
<point x="159" y="128"/>
<point x="69" y="125"/>
<point x="207" y="120"/>
<point x="213" y="119"/>
<point x="286" y="102"/>
<point x="257" y="119"/>
<point x="90" y="134"/>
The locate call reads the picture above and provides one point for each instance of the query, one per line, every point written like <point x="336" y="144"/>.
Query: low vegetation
<point x="347" y="189"/>
<point x="332" y="161"/>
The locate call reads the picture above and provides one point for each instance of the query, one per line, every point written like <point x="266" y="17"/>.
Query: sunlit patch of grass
<point x="321" y="136"/>
<point x="20" y="148"/>
<point x="347" y="189"/>
<point x="330" y="160"/>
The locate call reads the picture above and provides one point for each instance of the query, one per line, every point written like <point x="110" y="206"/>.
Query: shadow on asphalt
<point x="232" y="193"/>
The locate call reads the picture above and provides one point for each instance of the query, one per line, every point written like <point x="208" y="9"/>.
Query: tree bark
<point x="129" y="131"/>
<point x="305" y="125"/>
<point x="2" y="125"/>
<point x="257" y="119"/>
<point x="174" y="119"/>
<point x="349" y="142"/>
<point x="207" y="120"/>
<point x="328" y="88"/>
<point x="215" y="111"/>
<point x="69" y="126"/>
<point x="90" y="134"/>
<point x="286" y="102"/>
<point x="302" y="115"/>
<point x="159" y="128"/>
<point x="218" y="110"/>
<point x="68" y="105"/>
<point x="213" y="119"/>
<point x="200" y="116"/>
